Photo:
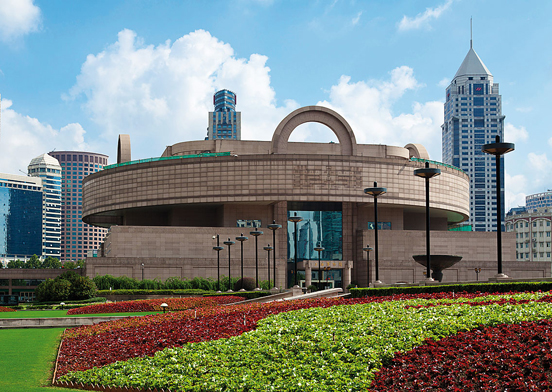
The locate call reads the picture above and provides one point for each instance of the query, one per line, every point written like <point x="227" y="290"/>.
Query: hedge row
<point x="502" y="287"/>
<point x="198" y="292"/>
<point x="154" y="292"/>
<point x="68" y="302"/>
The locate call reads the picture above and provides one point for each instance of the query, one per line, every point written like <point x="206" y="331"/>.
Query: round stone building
<point x="165" y="213"/>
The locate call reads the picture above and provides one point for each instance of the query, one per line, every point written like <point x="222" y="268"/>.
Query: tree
<point x="82" y="288"/>
<point x="69" y="265"/>
<point x="53" y="290"/>
<point x="51" y="262"/>
<point x="16" y="264"/>
<point x="33" y="262"/>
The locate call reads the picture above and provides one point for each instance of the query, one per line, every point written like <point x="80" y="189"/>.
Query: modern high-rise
<point x="473" y="117"/>
<point x="20" y="217"/>
<point x="48" y="169"/>
<point x="224" y="122"/>
<point x="77" y="237"/>
<point x="538" y="200"/>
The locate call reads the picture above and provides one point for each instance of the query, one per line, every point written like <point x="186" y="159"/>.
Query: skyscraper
<point x="77" y="237"/>
<point x="48" y="169"/>
<point x="20" y="217"/>
<point x="473" y="117"/>
<point x="224" y="122"/>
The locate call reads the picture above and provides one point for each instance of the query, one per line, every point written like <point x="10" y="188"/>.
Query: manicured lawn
<point x="62" y="313"/>
<point x="26" y="359"/>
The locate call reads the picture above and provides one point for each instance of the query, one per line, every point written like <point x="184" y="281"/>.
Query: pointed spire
<point x="471" y="34"/>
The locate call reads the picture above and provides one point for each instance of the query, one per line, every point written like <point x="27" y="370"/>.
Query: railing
<point x="437" y="163"/>
<point x="210" y="154"/>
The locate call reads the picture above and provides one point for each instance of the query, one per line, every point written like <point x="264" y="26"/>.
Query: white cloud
<point x="161" y="95"/>
<point x="356" y="18"/>
<point x="18" y="18"/>
<point x="368" y="107"/>
<point x="540" y="163"/>
<point x="514" y="189"/>
<point x="513" y="134"/>
<point x="422" y="20"/>
<point x="22" y="138"/>
<point x="444" y="82"/>
<point x="526" y="109"/>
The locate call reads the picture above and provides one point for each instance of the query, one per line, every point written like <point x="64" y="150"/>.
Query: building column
<point x="347" y="274"/>
<point x="308" y="274"/>
<point x="9" y="287"/>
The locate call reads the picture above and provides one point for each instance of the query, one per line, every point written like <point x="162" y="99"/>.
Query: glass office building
<point x="48" y="169"/>
<point x="77" y="237"/>
<point x="473" y="117"/>
<point x="20" y="217"/>
<point x="224" y="122"/>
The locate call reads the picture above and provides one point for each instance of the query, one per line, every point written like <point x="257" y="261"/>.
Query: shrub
<point x="202" y="283"/>
<point x="105" y="282"/>
<point x="148" y="284"/>
<point x="312" y="288"/>
<point x="248" y="284"/>
<point x="175" y="283"/>
<point x="82" y="288"/>
<point x="124" y="282"/>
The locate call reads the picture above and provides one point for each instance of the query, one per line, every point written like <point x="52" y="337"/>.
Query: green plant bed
<point x="155" y="292"/>
<point x="244" y="294"/>
<point x="71" y="302"/>
<point x="502" y="287"/>
<point x="27" y="358"/>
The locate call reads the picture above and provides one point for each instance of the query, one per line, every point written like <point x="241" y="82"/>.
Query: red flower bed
<point x="502" y="358"/>
<point x="104" y="343"/>
<point x="4" y="309"/>
<point x="153" y="305"/>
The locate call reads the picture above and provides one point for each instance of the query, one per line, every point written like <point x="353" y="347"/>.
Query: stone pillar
<point x="347" y="274"/>
<point x="308" y="274"/>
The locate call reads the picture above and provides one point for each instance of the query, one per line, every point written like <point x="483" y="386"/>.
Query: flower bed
<point x="317" y="347"/>
<point x="505" y="357"/>
<point x="4" y="309"/>
<point x="153" y="305"/>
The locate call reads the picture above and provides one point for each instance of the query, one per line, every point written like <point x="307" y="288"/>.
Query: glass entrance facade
<point x="322" y="224"/>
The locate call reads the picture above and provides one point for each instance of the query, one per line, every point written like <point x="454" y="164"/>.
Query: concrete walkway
<point x="54" y="322"/>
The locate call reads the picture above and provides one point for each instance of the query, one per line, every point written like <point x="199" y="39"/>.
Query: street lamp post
<point x="376" y="191"/>
<point x="295" y="219"/>
<point x="427" y="173"/>
<point x="218" y="248"/>
<point x="229" y="243"/>
<point x="256" y="234"/>
<point x="368" y="249"/>
<point x="273" y="226"/>
<point x="319" y="249"/>
<point x="241" y="238"/>
<point x="498" y="149"/>
<point x="142" y="271"/>
<point x="477" y="271"/>
<point x="268" y="248"/>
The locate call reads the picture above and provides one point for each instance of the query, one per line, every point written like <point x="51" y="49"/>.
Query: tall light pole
<point x="142" y="271"/>
<point x="498" y="149"/>
<point x="273" y="226"/>
<point x="229" y="243"/>
<point x="256" y="234"/>
<point x="268" y="248"/>
<point x="427" y="173"/>
<point x="218" y="248"/>
<point x="368" y="249"/>
<point x="295" y="219"/>
<point x="319" y="249"/>
<point x="376" y="191"/>
<point x="241" y="238"/>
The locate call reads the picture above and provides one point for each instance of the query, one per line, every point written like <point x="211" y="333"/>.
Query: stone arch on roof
<point x="417" y="151"/>
<point x="318" y="114"/>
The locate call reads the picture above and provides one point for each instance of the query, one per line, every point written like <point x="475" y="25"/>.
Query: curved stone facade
<point x="164" y="211"/>
<point x="270" y="178"/>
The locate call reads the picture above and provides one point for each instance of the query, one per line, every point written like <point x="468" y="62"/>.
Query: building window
<point x="381" y="226"/>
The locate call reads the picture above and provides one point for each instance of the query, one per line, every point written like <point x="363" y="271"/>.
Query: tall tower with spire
<point x="473" y="117"/>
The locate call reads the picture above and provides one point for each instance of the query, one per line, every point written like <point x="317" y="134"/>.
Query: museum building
<point x="164" y="213"/>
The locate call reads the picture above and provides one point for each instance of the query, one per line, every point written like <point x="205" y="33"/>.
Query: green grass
<point x="62" y="313"/>
<point x="26" y="359"/>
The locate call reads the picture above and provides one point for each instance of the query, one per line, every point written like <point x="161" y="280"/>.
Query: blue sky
<point x="74" y="75"/>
